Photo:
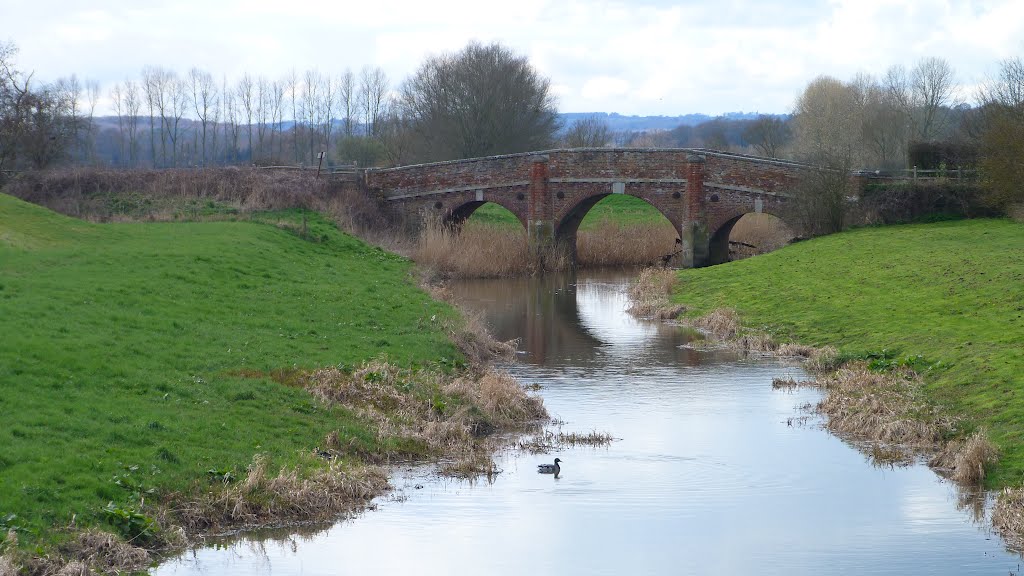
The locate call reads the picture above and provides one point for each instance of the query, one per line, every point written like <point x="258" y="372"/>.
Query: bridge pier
<point x="694" y="233"/>
<point x="540" y="221"/>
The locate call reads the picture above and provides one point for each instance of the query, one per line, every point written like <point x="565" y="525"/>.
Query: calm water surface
<point x="713" y="474"/>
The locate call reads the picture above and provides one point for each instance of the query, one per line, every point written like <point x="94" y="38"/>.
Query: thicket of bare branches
<point x="1002" y="137"/>
<point x="589" y="132"/>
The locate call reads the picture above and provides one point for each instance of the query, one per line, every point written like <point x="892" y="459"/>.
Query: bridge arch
<point x="459" y="213"/>
<point x="567" y="227"/>
<point x="718" y="242"/>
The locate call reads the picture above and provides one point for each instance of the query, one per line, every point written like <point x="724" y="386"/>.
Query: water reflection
<point x="709" y="475"/>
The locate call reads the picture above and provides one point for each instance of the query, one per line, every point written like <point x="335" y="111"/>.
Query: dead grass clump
<point x="477" y="344"/>
<point x="472" y="465"/>
<point x="102" y="551"/>
<point x="965" y="461"/>
<point x="1008" y="517"/>
<point x="884" y="408"/>
<point x="721" y="323"/>
<point x="651" y="295"/>
<point x="610" y="243"/>
<point x="549" y="440"/>
<point x="757" y="342"/>
<point x="500" y="396"/>
<point x="792" y="384"/>
<point x="320" y="494"/>
<point x="823" y="360"/>
<point x="792" y="350"/>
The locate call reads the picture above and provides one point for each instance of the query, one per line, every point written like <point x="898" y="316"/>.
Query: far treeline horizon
<point x="485" y="100"/>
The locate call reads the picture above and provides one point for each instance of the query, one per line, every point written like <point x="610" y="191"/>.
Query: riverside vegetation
<point x="918" y="342"/>
<point x="165" y="380"/>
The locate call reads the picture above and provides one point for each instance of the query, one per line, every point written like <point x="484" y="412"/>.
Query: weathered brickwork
<point x="701" y="192"/>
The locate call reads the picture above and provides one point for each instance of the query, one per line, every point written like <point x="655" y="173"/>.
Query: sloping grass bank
<point x="944" y="299"/>
<point x="157" y="363"/>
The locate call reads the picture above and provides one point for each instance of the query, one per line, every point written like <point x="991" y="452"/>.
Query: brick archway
<point x="457" y="215"/>
<point x="568" y="224"/>
<point x="718" y="242"/>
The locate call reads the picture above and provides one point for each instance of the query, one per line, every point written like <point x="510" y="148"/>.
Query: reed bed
<point x="651" y="294"/>
<point x="609" y="243"/>
<point x="476" y="251"/>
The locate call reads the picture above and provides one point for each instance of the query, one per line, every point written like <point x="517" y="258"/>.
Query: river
<point x="713" y="472"/>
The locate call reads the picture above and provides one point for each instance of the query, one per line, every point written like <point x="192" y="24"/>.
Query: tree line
<point x="482" y="100"/>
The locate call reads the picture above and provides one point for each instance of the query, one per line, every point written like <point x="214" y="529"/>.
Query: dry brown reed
<point x="793" y="350"/>
<point x="720" y="323"/>
<point x="651" y="294"/>
<point x="550" y="440"/>
<point x="95" y="550"/>
<point x="965" y="460"/>
<point x="475" y="251"/>
<point x="1008" y="517"/>
<point x="319" y="493"/>
<point x="610" y="243"/>
<point x="500" y="396"/>
<point x="471" y="465"/>
<point x="823" y="360"/>
<point x="883" y="407"/>
<point x="755" y="234"/>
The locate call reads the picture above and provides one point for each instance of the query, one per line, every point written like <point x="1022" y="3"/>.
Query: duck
<point x="550" y="468"/>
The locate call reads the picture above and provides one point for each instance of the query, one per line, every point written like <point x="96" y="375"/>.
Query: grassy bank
<point x="145" y="363"/>
<point x="945" y="299"/>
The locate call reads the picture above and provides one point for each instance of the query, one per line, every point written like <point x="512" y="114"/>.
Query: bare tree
<point x="203" y="92"/>
<point x="292" y="83"/>
<point x="932" y="84"/>
<point x="589" y="132"/>
<point x="827" y="125"/>
<point x="348" y="101"/>
<point x="117" y="99"/>
<point x="480" y="101"/>
<point x="1002" y="137"/>
<point x="373" y="91"/>
<point x="133" y="103"/>
<point x="247" y="98"/>
<point x="768" y="135"/>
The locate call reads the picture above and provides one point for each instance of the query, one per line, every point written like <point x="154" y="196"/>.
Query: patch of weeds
<point x="221" y="475"/>
<point x="167" y="456"/>
<point x="130" y="523"/>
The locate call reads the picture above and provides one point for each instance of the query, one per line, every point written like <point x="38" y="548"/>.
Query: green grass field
<point x="122" y="345"/>
<point x="618" y="208"/>
<point x="945" y="298"/>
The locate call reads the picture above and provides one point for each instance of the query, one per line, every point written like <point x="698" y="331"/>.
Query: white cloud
<point x="649" y="57"/>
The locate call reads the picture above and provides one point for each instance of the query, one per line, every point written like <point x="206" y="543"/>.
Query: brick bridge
<point x="701" y="192"/>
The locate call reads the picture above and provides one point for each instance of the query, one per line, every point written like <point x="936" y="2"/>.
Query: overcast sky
<point x="644" y="57"/>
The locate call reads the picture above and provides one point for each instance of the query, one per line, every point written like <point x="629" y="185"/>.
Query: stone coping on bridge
<point x="701" y="151"/>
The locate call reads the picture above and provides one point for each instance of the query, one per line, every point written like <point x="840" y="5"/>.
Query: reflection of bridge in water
<point x="561" y="320"/>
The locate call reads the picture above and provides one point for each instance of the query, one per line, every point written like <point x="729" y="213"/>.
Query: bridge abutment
<point x="540" y="213"/>
<point x="694" y="233"/>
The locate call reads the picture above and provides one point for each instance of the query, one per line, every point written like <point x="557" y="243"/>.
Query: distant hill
<point x="620" y="123"/>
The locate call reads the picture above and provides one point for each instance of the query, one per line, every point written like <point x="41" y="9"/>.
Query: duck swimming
<point x="550" y="468"/>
